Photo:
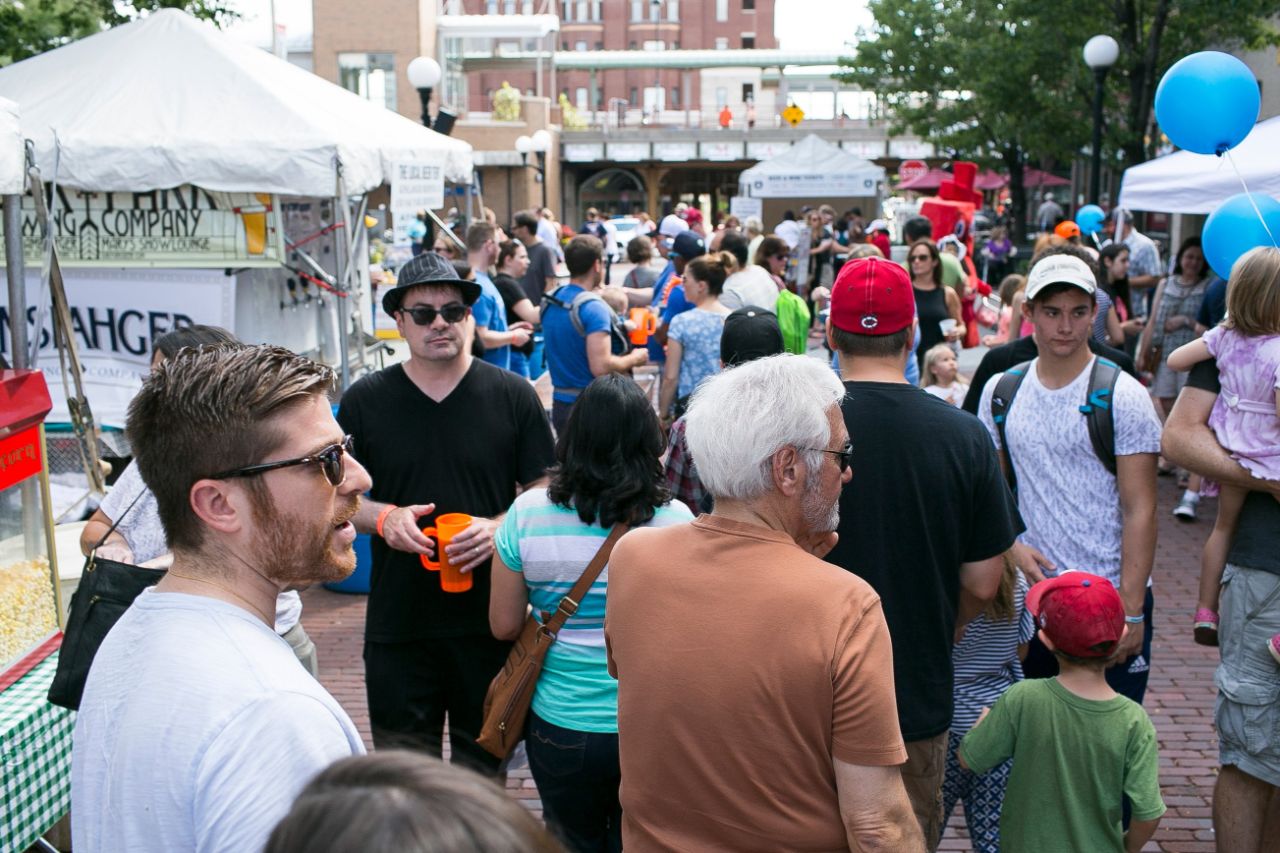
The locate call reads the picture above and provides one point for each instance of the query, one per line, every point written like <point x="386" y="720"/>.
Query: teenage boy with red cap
<point x="1075" y="742"/>
<point x="926" y="519"/>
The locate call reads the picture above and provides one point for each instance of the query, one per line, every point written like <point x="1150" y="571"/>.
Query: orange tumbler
<point x="645" y="325"/>
<point x="446" y="527"/>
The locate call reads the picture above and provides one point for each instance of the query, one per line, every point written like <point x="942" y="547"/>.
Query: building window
<point x="673" y="11"/>
<point x="655" y="45"/>
<point x="675" y="97"/>
<point x="637" y="12"/>
<point x="748" y="5"/>
<point x="595" y="10"/>
<point x="634" y="93"/>
<point x="526" y="8"/>
<point x="370" y="75"/>
<point x="722" y="98"/>
<point x="599" y="45"/>
<point x="581" y="98"/>
<point x="508" y="7"/>
<point x="748" y="42"/>
<point x="722" y="44"/>
<point x="722" y="10"/>
<point x="632" y="45"/>
<point x="748" y="92"/>
<point x="491" y="7"/>
<point x="580" y="46"/>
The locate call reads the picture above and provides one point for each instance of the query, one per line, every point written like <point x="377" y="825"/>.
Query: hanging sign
<point x="416" y="184"/>
<point x="182" y="227"/>
<point x="793" y="115"/>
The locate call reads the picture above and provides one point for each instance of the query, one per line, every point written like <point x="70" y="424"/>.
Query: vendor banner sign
<point x="182" y="227"/>
<point x="116" y="315"/>
<point x="416" y="185"/>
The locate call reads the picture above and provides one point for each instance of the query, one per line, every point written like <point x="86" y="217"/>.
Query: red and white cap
<point x="872" y="296"/>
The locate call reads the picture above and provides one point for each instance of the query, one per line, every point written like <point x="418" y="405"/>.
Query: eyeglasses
<point x="782" y="257"/>
<point x="332" y="462"/>
<point x="921" y="257"/>
<point x="425" y="315"/>
<point x="844" y="454"/>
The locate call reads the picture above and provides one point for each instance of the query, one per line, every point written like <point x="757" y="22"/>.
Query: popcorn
<point x="28" y="611"/>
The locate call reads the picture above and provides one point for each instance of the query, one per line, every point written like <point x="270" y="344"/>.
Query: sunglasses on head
<point x="332" y="461"/>
<point x="425" y="315"/>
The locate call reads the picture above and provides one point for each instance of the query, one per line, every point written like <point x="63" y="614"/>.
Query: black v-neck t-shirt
<point x="465" y="453"/>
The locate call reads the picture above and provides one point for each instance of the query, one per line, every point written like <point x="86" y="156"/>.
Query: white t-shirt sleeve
<point x="984" y="409"/>
<point x="250" y="774"/>
<point x="1136" y="421"/>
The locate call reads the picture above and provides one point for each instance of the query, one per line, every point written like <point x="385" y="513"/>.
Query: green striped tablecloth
<point x="35" y="758"/>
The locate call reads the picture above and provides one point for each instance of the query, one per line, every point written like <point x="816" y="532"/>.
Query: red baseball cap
<point x="1081" y="613"/>
<point x="872" y="296"/>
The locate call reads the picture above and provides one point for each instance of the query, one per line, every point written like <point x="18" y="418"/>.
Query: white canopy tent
<point x="1185" y="182"/>
<point x="168" y="100"/>
<point x="812" y="168"/>
<point x="11" y="152"/>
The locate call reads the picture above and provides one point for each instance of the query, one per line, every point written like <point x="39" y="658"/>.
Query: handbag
<point x="107" y="588"/>
<point x="1151" y="359"/>
<point x="506" y="704"/>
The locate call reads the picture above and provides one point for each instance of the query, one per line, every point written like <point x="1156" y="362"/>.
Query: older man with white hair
<point x="765" y="670"/>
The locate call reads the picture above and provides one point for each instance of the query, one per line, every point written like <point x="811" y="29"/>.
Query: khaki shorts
<point x="923" y="774"/>
<point x="1247" y="713"/>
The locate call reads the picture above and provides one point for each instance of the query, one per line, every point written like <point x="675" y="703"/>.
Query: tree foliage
<point x="30" y="27"/>
<point x="1004" y="82"/>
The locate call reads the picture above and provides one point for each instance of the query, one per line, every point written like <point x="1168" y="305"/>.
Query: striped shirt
<point x="551" y="547"/>
<point x="986" y="660"/>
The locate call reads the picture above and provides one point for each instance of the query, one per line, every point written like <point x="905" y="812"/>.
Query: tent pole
<point x="17" y="280"/>
<point x="340" y="307"/>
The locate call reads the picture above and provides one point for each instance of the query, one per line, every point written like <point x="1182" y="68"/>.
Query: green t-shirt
<point x="1072" y="760"/>
<point x="953" y="274"/>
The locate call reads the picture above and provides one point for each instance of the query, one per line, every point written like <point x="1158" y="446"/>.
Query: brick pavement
<point x="1179" y="698"/>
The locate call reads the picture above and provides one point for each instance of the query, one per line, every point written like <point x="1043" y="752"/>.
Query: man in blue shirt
<point x="489" y="311"/>
<point x="574" y="357"/>
<point x="668" y="294"/>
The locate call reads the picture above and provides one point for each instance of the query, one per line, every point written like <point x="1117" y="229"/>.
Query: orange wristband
<point x="382" y="517"/>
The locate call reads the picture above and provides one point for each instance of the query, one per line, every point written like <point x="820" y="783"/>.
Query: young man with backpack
<point x="579" y="330"/>
<point x="1078" y="440"/>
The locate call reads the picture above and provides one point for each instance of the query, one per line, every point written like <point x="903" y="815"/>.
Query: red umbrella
<point x="930" y="180"/>
<point x="1036" y="178"/>
<point x="988" y="180"/>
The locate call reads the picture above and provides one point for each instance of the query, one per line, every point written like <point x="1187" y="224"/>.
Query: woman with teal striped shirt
<point x="607" y="471"/>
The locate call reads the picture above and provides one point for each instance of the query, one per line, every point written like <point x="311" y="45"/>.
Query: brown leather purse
<point x="506" y="705"/>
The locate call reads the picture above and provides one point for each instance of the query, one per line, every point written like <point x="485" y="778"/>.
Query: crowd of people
<point x="846" y="599"/>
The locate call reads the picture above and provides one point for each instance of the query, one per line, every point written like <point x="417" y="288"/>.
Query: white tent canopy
<point x="1185" y="182"/>
<point x="11" y="152"/>
<point x="812" y="168"/>
<point x="168" y="100"/>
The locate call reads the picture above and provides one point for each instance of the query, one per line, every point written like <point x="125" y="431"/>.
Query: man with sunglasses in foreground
<point x="926" y="519"/>
<point x="441" y="433"/>
<point x="198" y="725"/>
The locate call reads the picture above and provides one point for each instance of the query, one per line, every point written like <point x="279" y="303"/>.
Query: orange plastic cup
<point x="446" y="527"/>
<point x="645" y="325"/>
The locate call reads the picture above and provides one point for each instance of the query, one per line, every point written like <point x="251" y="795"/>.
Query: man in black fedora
<point x="442" y="432"/>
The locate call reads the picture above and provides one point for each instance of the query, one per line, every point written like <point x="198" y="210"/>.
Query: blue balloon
<point x="1234" y="228"/>
<point x="1207" y="102"/>
<point x="1090" y="219"/>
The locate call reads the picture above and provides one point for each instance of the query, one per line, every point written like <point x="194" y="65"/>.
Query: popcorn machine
<point x="29" y="605"/>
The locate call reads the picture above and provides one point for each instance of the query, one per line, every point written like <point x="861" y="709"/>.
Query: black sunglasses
<point x="921" y="258"/>
<point x="425" y="315"/>
<point x="332" y="462"/>
<point x="844" y="455"/>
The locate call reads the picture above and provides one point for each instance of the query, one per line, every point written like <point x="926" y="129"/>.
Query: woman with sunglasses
<point x="139" y="538"/>
<point x="935" y="303"/>
<point x="773" y="254"/>
<point x="607" y="472"/>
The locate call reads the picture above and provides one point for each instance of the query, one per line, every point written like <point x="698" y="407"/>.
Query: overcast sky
<point x="799" y="24"/>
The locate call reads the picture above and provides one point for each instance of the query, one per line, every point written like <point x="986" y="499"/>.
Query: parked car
<point x="625" y="228"/>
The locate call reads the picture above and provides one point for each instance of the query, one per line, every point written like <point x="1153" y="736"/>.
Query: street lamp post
<point x="424" y="75"/>
<point x="538" y="144"/>
<point x="1100" y="53"/>
<point x="657" y="71"/>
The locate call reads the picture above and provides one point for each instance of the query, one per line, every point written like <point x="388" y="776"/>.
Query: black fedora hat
<point x="427" y="268"/>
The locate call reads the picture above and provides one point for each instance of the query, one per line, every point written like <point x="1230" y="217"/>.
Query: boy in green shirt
<point x="1077" y="745"/>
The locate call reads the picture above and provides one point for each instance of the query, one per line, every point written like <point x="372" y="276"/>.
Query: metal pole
<point x="424" y="95"/>
<point x="542" y="173"/>
<point x="17" y="281"/>
<point x="1095" y="177"/>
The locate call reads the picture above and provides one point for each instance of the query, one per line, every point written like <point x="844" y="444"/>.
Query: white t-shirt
<point x="953" y="393"/>
<point x="750" y="286"/>
<point x="1068" y="500"/>
<point x="141" y="528"/>
<point x="789" y="231"/>
<point x="197" y="730"/>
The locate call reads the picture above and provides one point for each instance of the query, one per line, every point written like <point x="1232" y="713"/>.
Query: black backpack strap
<point x="549" y="299"/>
<point x="1099" y="413"/>
<point x="1001" y="399"/>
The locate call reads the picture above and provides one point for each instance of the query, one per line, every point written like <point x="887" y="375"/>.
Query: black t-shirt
<point x="464" y="454"/>
<point x="512" y="293"/>
<point x="926" y="496"/>
<point x="542" y="266"/>
<point x="1214" y="305"/>
<point x="1001" y="358"/>
<point x="1257" y="541"/>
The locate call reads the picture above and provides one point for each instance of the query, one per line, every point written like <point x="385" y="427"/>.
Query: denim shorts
<point x="1248" y="711"/>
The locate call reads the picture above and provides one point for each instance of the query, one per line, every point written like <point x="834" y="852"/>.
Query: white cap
<point x="878" y="225"/>
<point x="1060" y="269"/>
<point x="672" y="225"/>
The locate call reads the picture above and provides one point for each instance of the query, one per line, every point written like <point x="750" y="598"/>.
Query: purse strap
<point x="116" y="523"/>
<point x="569" y="604"/>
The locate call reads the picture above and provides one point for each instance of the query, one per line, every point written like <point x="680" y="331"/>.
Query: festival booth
<point x="812" y="172"/>
<point x="201" y="180"/>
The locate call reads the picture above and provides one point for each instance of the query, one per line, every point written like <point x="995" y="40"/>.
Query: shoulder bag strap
<point x="116" y="523"/>
<point x="569" y="604"/>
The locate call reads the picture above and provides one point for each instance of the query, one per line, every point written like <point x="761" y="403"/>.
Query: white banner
<point x="115" y="316"/>
<point x="415" y="185"/>
<point x="813" y="186"/>
<point x="743" y="206"/>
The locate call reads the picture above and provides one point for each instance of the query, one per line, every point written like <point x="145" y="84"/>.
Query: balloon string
<point x="1249" y="196"/>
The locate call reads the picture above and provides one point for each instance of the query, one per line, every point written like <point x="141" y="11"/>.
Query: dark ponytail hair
<point x="713" y="270"/>
<point x="507" y="251"/>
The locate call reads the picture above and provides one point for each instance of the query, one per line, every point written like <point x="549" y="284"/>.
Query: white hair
<point x="738" y="419"/>
<point x="753" y="225"/>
